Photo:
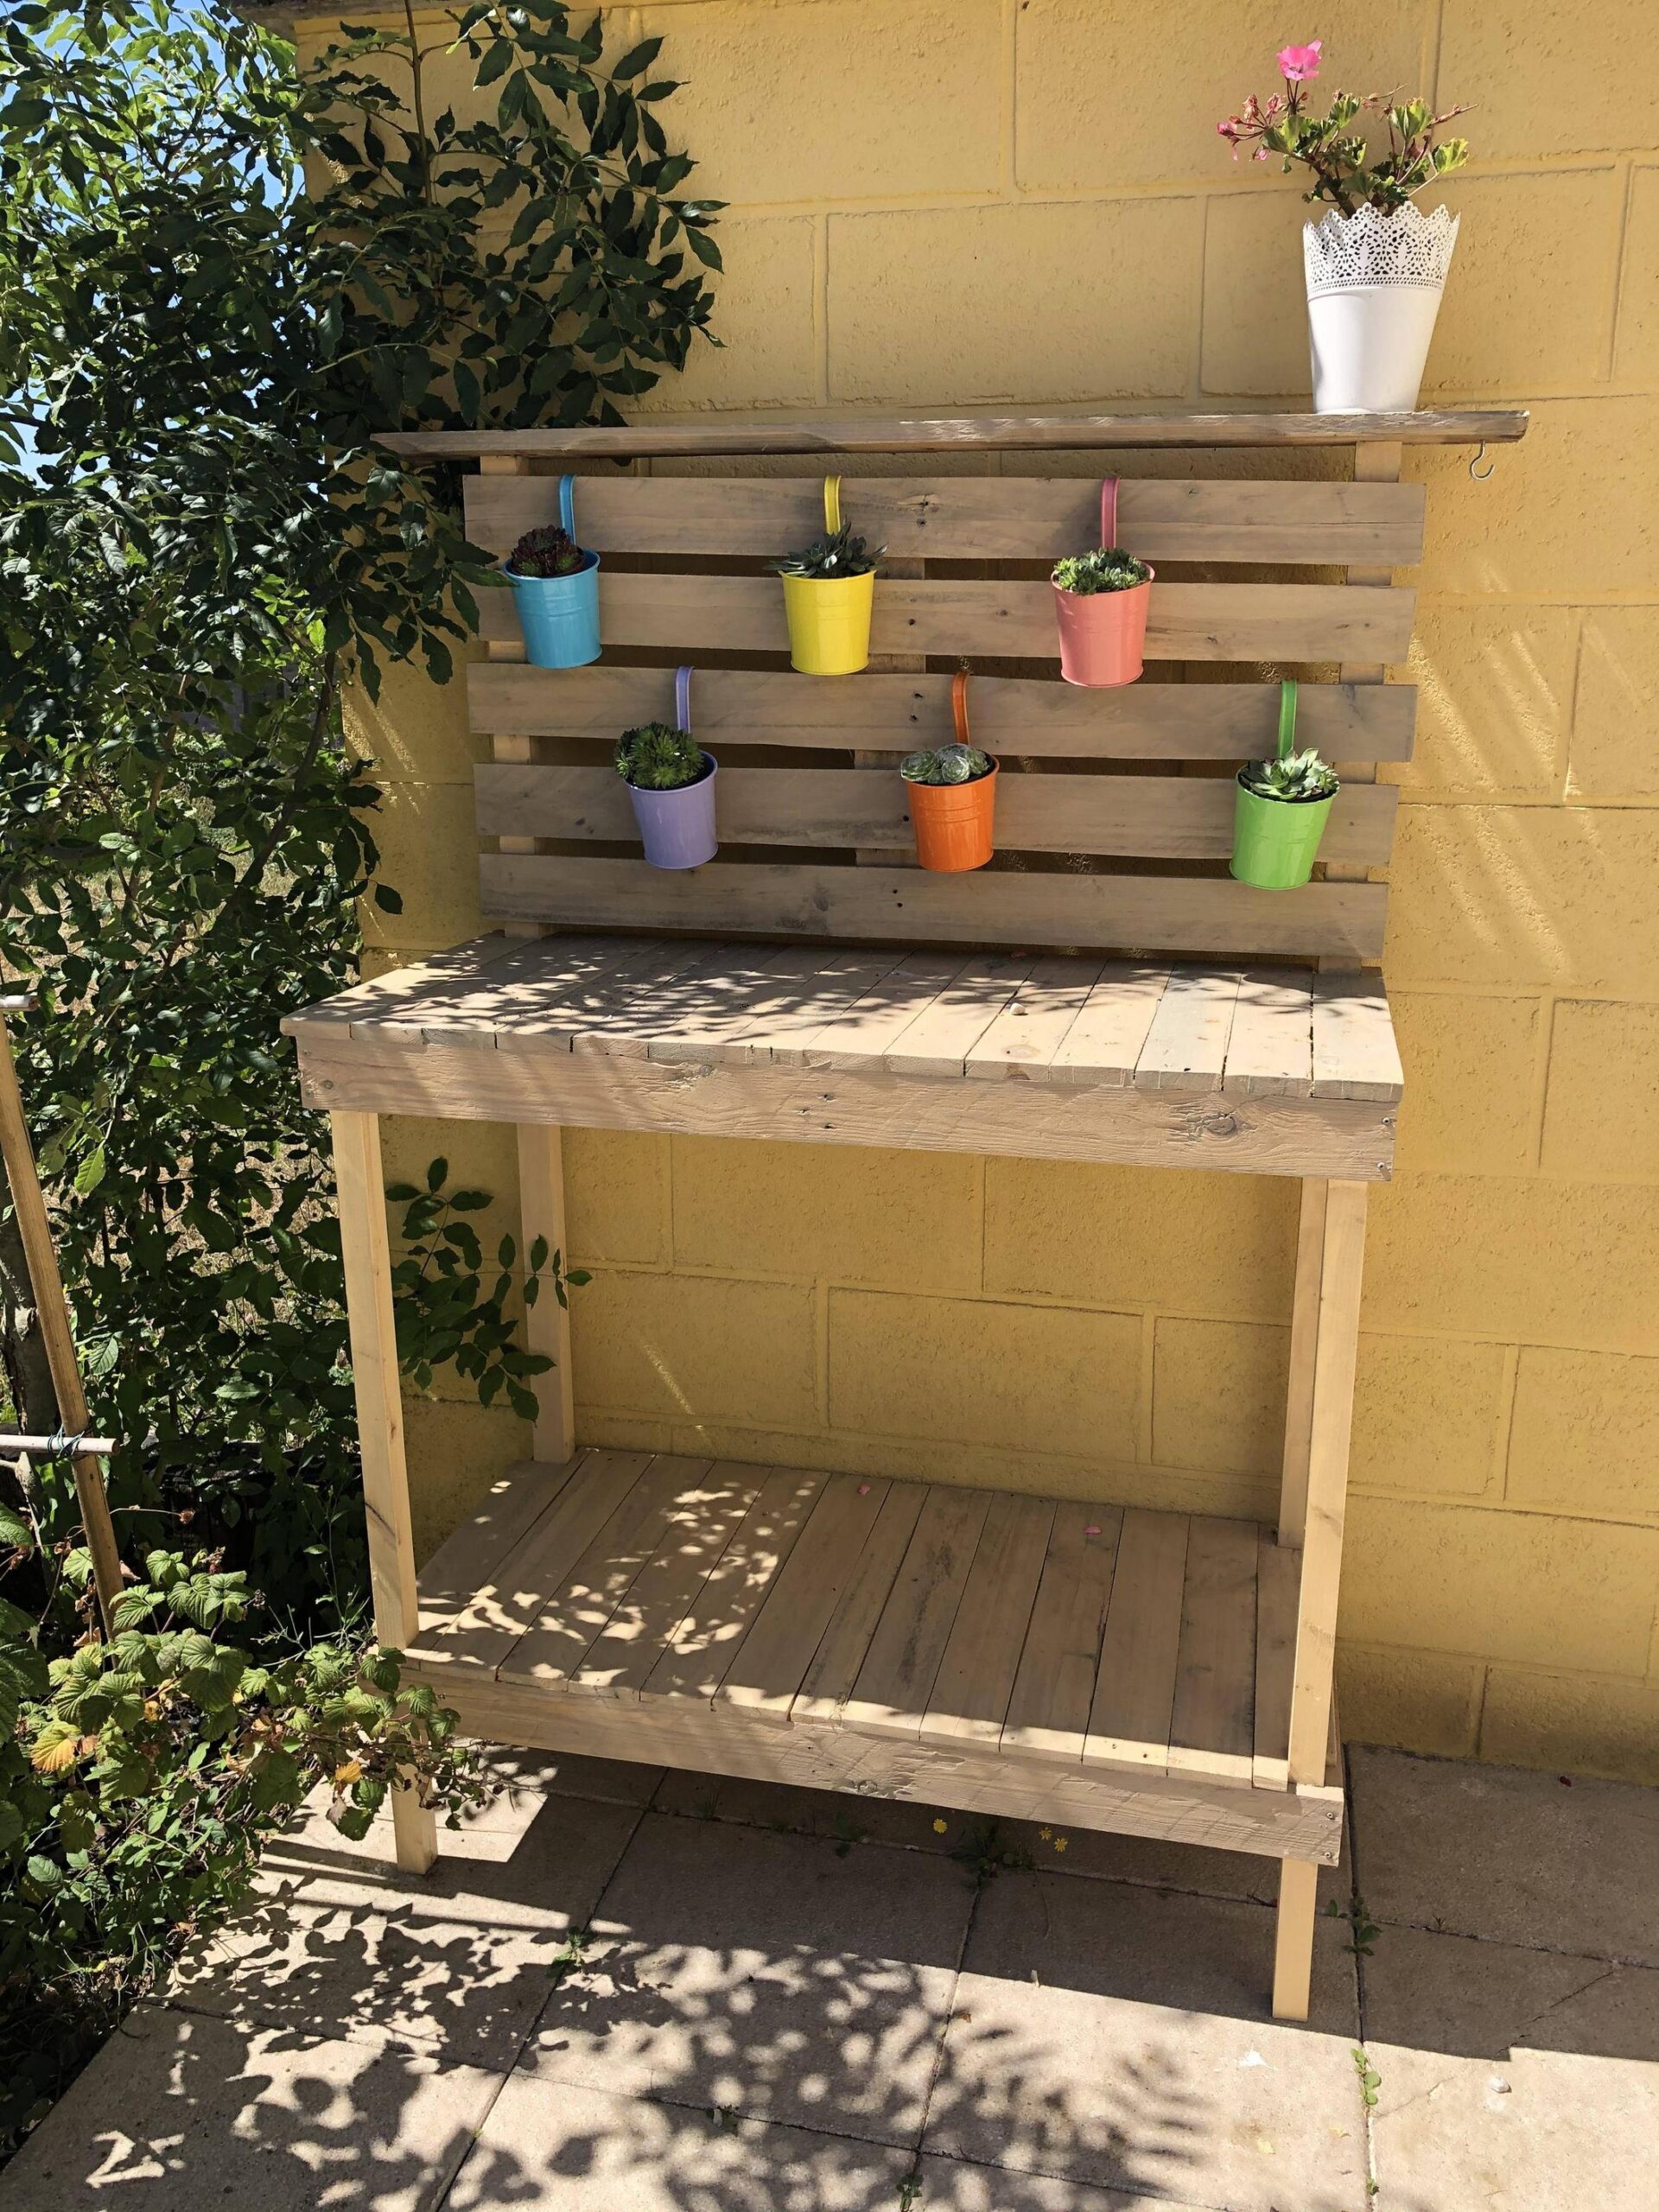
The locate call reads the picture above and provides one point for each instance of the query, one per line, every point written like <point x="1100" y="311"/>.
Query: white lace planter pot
<point x="1373" y="285"/>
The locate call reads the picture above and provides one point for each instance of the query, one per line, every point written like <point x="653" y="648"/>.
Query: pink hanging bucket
<point x="1103" y="634"/>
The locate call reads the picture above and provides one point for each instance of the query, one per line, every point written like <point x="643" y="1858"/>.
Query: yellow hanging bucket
<point x="828" y="617"/>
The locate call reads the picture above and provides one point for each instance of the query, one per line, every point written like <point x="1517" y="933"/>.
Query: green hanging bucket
<point x="1276" y="841"/>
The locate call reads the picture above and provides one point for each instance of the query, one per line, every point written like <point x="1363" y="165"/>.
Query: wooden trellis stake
<point x="52" y="1310"/>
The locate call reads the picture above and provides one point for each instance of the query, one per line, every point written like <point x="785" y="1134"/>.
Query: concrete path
<point x="628" y="1991"/>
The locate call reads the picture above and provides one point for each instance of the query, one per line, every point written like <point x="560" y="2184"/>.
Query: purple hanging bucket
<point x="677" y="827"/>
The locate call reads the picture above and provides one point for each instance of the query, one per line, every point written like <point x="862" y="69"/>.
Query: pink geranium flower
<point x="1297" y="64"/>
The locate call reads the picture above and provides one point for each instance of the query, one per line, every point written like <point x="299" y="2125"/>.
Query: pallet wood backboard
<point x="1094" y="782"/>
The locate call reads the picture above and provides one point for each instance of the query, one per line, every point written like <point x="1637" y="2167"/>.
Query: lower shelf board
<point x="1025" y="1657"/>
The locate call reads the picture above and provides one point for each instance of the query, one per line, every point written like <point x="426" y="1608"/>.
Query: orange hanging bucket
<point x="953" y="822"/>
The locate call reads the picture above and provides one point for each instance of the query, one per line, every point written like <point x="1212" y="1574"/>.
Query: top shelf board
<point x="708" y="435"/>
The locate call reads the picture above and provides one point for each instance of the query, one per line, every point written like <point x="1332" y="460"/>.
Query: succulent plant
<point x="1298" y="777"/>
<point x="948" y="764"/>
<point x="1110" y="569"/>
<point x="546" y="550"/>
<point x="657" y="757"/>
<point x="830" y="558"/>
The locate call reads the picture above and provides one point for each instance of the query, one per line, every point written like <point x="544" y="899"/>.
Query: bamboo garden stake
<point x="52" y="1313"/>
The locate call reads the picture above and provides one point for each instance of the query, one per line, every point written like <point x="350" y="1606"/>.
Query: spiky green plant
<point x="1109" y="568"/>
<point x="546" y="550"/>
<point x="948" y="763"/>
<point x="1299" y="778"/>
<point x="831" y="558"/>
<point x="657" y="757"/>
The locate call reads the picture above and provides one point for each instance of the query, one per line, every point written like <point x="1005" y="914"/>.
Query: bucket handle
<point x="831" y="506"/>
<point x="682" y="700"/>
<point x="568" y="505"/>
<point x="1287" y="718"/>
<point x="959" y="705"/>
<point x="1108" y="513"/>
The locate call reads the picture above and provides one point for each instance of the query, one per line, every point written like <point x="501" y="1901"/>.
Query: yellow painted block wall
<point x="953" y="202"/>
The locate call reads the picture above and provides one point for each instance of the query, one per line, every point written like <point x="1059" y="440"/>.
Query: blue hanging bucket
<point x="559" y="615"/>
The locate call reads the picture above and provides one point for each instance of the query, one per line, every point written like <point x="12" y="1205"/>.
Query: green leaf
<point x="389" y="901"/>
<point x="498" y="59"/>
<point x="637" y="60"/>
<point x="90" y="1174"/>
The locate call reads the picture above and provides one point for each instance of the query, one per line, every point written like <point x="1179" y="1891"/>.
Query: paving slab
<point x="337" y="1941"/>
<point x="1120" y="2036"/>
<point x="949" y="2185"/>
<point x="551" y="2147"/>
<point x="1507" y="1854"/>
<point x="184" y="2114"/>
<point x="771" y="1976"/>
<point x="1512" y="2080"/>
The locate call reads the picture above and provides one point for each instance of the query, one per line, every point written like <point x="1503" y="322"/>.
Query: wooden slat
<point x="801" y="1600"/>
<point x="939" y="1039"/>
<point x="1025" y="1037"/>
<point x="1350" y="1138"/>
<point x="1186" y="1042"/>
<point x="467" y="1560"/>
<point x="969" y="1698"/>
<point x="828" y="1682"/>
<point x="966" y="518"/>
<point x="706" y="435"/>
<point x="1354" y="1055"/>
<point x="1048" y="1711"/>
<point x="710" y="1637"/>
<point x="530" y="992"/>
<point x="1104" y="1044"/>
<point x="1278" y="1569"/>
<point x="1159" y="817"/>
<point x="950" y="615"/>
<point x="1033" y="717"/>
<point x="806" y="1002"/>
<point x="578" y="1609"/>
<point x="1211" y="1725"/>
<point x="489" y="1628"/>
<point x="879" y="1019"/>
<point x="670" y="1584"/>
<point x="1270" y="1046"/>
<point x="1304" y="1347"/>
<point x="386" y="999"/>
<point x="891" y="1693"/>
<point x="1134" y="1694"/>
<point x="1162" y="913"/>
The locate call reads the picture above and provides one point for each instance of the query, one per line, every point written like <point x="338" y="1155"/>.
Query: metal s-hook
<point x="831" y="506"/>
<point x="1479" y="473"/>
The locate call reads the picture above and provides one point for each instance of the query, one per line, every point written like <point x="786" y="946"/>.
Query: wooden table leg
<point x="547" y="1324"/>
<point x="1303" y="1341"/>
<point x="1330" y="1421"/>
<point x="366" y="1250"/>
<point x="1293" y="1950"/>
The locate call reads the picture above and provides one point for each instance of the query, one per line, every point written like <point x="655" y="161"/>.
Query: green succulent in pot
<point x="1108" y="569"/>
<point x="658" y="756"/>
<point x="1297" y="780"/>
<point x="547" y="550"/>
<point x="831" y="558"/>
<point x="945" y="763"/>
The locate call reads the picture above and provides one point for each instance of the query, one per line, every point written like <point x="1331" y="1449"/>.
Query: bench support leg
<point x="1325" y="1346"/>
<point x="1292" y="1949"/>
<point x="366" y="1250"/>
<point x="547" y="1324"/>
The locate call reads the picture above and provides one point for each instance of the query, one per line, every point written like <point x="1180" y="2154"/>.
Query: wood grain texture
<point x="1343" y="1137"/>
<point x="1004" y="907"/>
<point x="954" y="616"/>
<point x="704" y="435"/>
<point x="966" y="518"/>
<point x="1040" y="718"/>
<point x="1156" y="817"/>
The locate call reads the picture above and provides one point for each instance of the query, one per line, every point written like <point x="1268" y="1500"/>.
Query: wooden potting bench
<point x="1105" y="992"/>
